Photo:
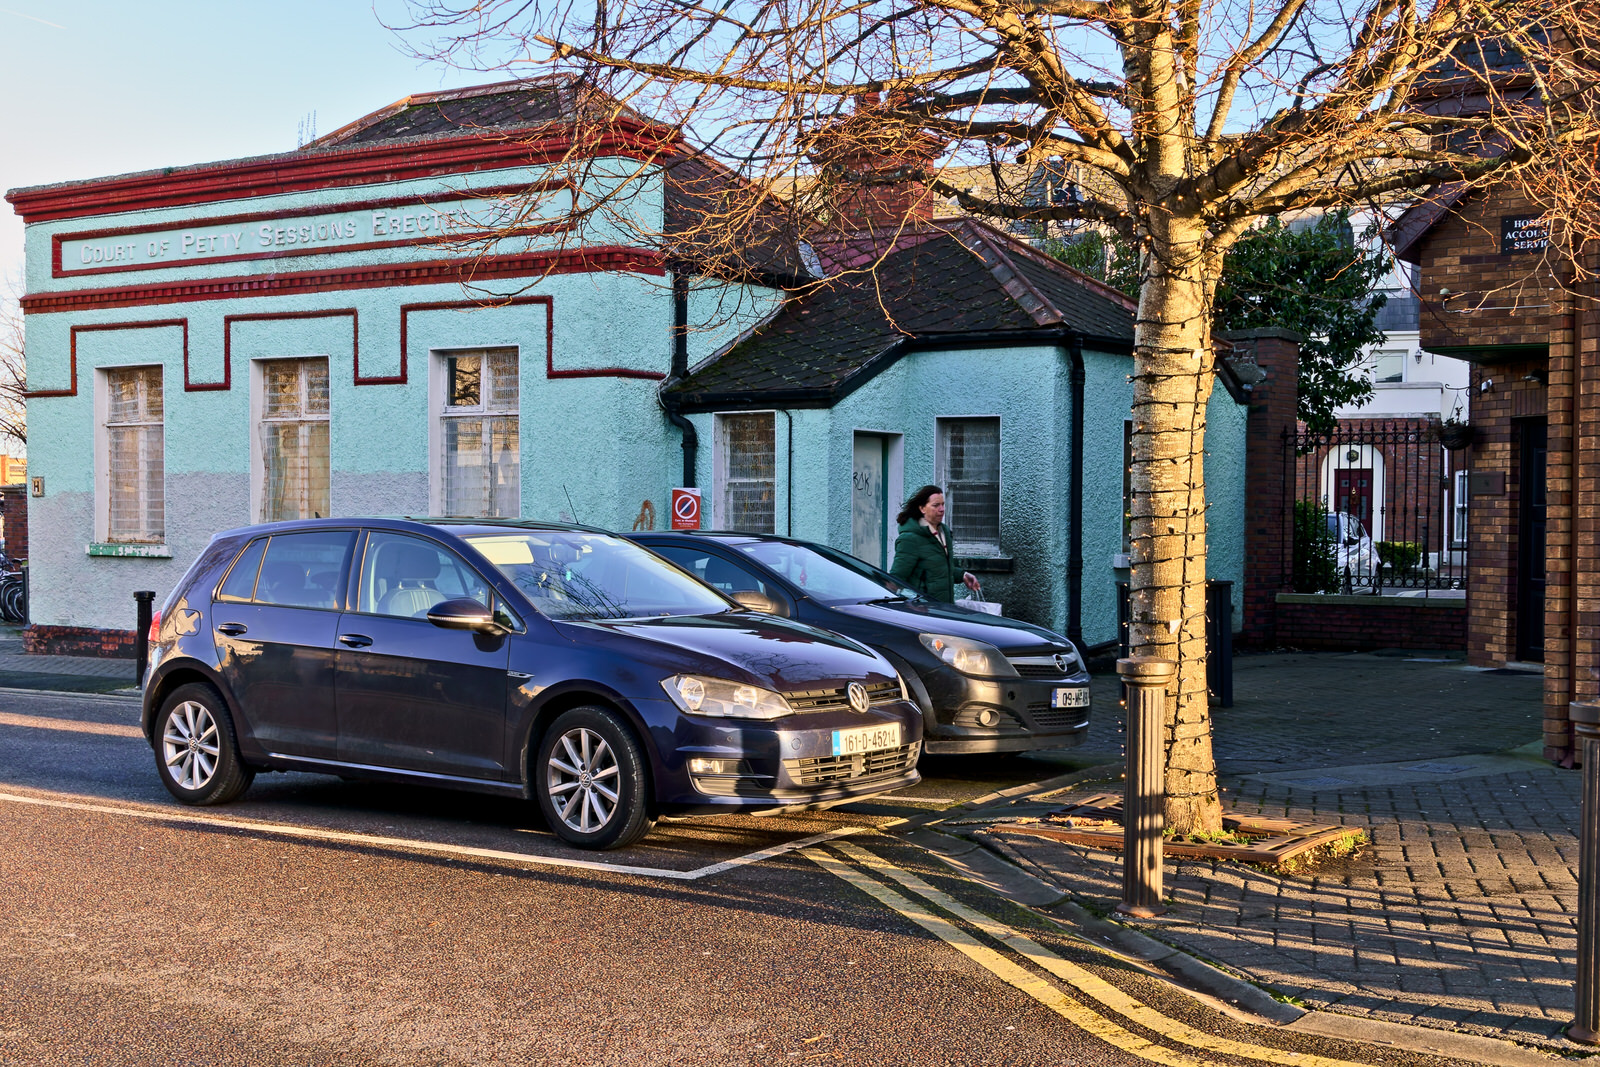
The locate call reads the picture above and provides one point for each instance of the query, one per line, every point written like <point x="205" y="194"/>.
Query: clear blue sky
<point x="97" y="87"/>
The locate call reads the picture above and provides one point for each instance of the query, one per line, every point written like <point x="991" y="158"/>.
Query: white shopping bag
<point x="976" y="603"/>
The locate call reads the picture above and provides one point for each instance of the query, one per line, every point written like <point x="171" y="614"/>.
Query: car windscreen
<point x="572" y="575"/>
<point x="826" y="576"/>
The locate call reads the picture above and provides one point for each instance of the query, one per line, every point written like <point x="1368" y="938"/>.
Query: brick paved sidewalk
<point x="1459" y="915"/>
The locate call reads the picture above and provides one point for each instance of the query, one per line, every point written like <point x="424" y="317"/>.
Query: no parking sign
<point x="686" y="509"/>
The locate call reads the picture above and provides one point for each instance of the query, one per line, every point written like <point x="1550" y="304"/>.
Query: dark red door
<point x="1352" y="492"/>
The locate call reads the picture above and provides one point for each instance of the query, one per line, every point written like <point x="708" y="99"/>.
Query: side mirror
<point x="464" y="613"/>
<point x="749" y="598"/>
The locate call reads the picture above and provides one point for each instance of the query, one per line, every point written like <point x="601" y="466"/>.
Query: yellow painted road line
<point x="1004" y="969"/>
<point x="406" y="844"/>
<point x="1082" y="980"/>
<point x="44" y="723"/>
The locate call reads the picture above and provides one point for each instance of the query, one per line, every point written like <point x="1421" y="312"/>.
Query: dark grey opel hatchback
<point x="517" y="658"/>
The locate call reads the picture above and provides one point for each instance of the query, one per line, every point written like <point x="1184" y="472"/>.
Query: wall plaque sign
<point x="1523" y="233"/>
<point x="337" y="228"/>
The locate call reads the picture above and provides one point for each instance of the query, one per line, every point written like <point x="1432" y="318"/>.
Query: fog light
<point x="724" y="767"/>
<point x="987" y="717"/>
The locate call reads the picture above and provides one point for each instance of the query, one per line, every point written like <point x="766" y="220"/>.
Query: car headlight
<point x="699" y="695"/>
<point x="905" y="690"/>
<point x="969" y="657"/>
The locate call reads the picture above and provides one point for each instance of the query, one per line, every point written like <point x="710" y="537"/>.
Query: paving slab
<point x="1459" y="916"/>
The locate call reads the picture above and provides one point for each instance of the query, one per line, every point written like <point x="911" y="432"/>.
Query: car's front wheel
<point x="196" y="753"/>
<point x="592" y="781"/>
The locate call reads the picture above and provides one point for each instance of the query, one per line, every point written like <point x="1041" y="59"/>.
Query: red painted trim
<point x="536" y="264"/>
<point x="73" y="347"/>
<point x="227" y="344"/>
<point x="326" y="169"/>
<point x="57" y="270"/>
<point x="550" y="370"/>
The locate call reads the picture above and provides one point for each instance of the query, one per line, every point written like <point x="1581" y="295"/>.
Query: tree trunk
<point x="1172" y="383"/>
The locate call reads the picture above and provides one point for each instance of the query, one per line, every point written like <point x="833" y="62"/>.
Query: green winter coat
<point x="922" y="563"/>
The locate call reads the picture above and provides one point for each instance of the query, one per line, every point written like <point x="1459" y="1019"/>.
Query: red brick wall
<point x="1492" y="517"/>
<point x="1572" y="518"/>
<point x="1268" y="528"/>
<point x="1363" y="623"/>
<point x="1498" y="300"/>
<point x="78" y="641"/>
<point x="1493" y="299"/>
<point x="14" y="505"/>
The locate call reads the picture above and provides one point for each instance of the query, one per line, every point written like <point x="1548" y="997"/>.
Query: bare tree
<point x="1181" y="124"/>
<point x="13" y="374"/>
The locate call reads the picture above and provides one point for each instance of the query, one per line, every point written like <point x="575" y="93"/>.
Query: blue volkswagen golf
<point x="552" y="662"/>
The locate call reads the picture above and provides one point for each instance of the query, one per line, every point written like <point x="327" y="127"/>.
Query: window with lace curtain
<point x="969" y="471"/>
<point x="481" y="448"/>
<point x="135" y="463"/>
<point x="294" y="439"/>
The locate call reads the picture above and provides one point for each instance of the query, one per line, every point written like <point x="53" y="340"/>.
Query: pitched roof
<point x="1406" y="232"/>
<point x="496" y="108"/>
<point x="958" y="283"/>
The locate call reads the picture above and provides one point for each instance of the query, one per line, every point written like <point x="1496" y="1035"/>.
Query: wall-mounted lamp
<point x="1540" y="376"/>
<point x="1485" y="385"/>
<point x="1353" y="455"/>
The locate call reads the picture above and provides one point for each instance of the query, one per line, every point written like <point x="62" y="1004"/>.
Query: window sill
<point x="987" y="564"/>
<point x="129" y="550"/>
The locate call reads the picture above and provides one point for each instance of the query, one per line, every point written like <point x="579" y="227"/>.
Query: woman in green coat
<point x="922" y="550"/>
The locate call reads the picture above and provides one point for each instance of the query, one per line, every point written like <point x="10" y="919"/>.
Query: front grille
<point x="1036" y="670"/>
<point x="821" y="769"/>
<point x="807" y="701"/>
<point x="1043" y="666"/>
<point x="1045" y="718"/>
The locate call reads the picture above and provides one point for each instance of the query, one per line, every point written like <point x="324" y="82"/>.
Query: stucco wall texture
<point x="594" y="446"/>
<point x="1028" y="388"/>
<point x="595" y="443"/>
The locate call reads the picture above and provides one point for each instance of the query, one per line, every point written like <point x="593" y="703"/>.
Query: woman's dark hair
<point x="913" y="508"/>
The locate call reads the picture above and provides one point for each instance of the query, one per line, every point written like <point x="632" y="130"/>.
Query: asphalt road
<point x="324" y="922"/>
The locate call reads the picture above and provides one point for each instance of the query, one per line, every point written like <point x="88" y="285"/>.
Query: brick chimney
<point x="868" y="163"/>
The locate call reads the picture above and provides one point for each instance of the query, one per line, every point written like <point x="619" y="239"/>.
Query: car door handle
<point x="232" y="629"/>
<point x="355" y="640"/>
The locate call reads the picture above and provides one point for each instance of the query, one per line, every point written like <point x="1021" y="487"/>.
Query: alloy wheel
<point x="583" y="780"/>
<point x="190" y="745"/>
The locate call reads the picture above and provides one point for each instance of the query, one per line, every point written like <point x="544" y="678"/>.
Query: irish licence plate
<point x="866" y="739"/>
<point x="1070" y="698"/>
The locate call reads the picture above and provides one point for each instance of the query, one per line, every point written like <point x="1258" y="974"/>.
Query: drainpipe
<point x="680" y="369"/>
<point x="1574" y="526"/>
<point x="788" y="522"/>
<point x="1075" y="491"/>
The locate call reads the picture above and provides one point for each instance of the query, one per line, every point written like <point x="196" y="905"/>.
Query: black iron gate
<point x="1377" y="507"/>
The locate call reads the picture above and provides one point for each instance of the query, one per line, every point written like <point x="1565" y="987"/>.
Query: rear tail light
<point x="155" y="627"/>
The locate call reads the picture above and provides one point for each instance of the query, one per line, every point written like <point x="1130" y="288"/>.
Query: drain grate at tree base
<point x="1097" y="821"/>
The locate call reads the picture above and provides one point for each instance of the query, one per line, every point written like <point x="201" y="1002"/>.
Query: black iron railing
<point x="1377" y="506"/>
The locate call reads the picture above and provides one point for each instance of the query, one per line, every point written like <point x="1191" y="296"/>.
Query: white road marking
<point x="406" y="844"/>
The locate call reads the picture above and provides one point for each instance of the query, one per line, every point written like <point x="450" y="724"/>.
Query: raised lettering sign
<point x="340" y="228"/>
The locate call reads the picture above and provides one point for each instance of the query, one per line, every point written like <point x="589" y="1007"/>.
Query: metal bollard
<point x="1586" y="1013"/>
<point x="143" y="599"/>
<point x="1145" y="681"/>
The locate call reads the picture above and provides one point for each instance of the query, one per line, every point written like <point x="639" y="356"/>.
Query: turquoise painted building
<point x="334" y="331"/>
